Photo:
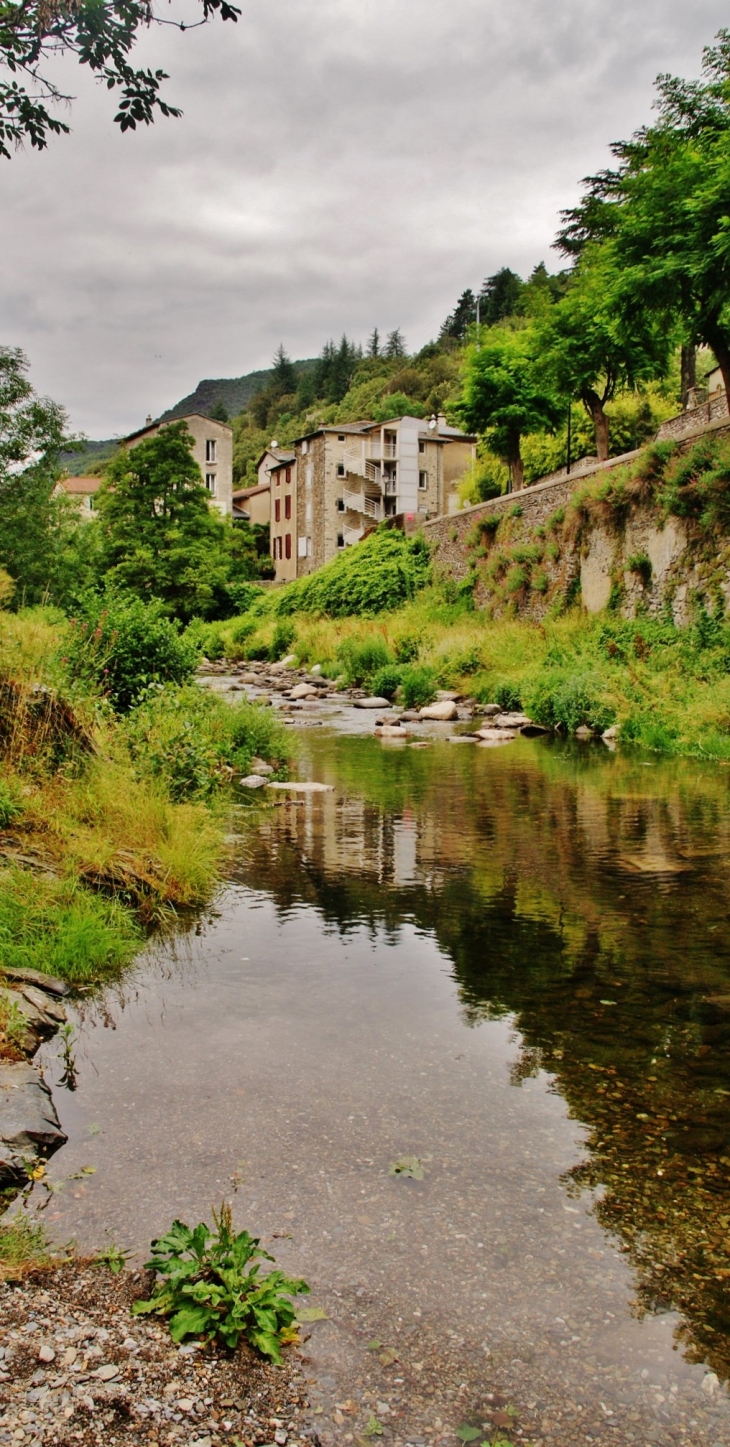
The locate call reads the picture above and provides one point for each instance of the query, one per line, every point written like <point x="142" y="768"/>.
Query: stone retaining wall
<point x="669" y="562"/>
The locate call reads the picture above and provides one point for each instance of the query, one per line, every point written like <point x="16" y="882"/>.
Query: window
<point x="340" y="504"/>
<point x="305" y="447"/>
<point x="340" y="469"/>
<point x="341" y="437"/>
<point x="287" y="549"/>
<point x="287" y="505"/>
<point x="210" y="450"/>
<point x="301" y="547"/>
<point x="421" y="444"/>
<point x="423" y="481"/>
<point x="309" y="512"/>
<point x="277" y="510"/>
<point x="210" y="482"/>
<point x="340" y="540"/>
<point x="288" y="474"/>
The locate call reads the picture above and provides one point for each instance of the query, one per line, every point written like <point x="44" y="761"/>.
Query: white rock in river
<point x="371" y="703"/>
<point x="303" y="690"/>
<point x="511" y="721"/>
<point x="253" y="781"/>
<point x="442" y="712"/>
<point x="303" y="788"/>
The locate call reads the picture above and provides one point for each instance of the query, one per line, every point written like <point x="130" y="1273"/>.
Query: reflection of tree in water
<point x="609" y="947"/>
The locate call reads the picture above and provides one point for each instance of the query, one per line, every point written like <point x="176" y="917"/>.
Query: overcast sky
<point x="339" y="165"/>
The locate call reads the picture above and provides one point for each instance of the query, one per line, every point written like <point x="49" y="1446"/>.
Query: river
<point x="510" y="965"/>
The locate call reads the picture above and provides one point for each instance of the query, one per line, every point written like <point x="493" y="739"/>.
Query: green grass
<point x="61" y="928"/>
<point x="23" y="1247"/>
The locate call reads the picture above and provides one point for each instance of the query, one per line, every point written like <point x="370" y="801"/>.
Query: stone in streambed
<point x="29" y="1126"/>
<point x="392" y="731"/>
<point x="300" y="787"/>
<point x="496" y="736"/>
<point x="253" y="781"/>
<point x="260" y="766"/>
<point x="48" y="983"/>
<point x="511" y="721"/>
<point x="442" y="712"/>
<point x="371" y="703"/>
<point x="303" y="690"/>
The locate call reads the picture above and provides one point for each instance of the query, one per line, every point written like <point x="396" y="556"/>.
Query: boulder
<point x="611" y="733"/>
<point x="443" y="695"/>
<point x="371" y="703"/>
<point x="303" y="690"/>
<point x="463" y="739"/>
<point x="248" y="678"/>
<point x="300" y="787"/>
<point x="392" y="731"/>
<point x="49" y="983"/>
<point x="289" y="661"/>
<point x="45" y="1003"/>
<point x="260" y="766"/>
<point x="442" y="712"/>
<point x="583" y="732"/>
<point x="496" y="736"/>
<point x="253" y="781"/>
<point x="511" y="721"/>
<point x="29" y="1127"/>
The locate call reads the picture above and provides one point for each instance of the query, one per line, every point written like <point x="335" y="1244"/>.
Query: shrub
<point x="360" y="659"/>
<point x="381" y="573"/>
<point x="640" y="564"/>
<point x="210" y="1287"/>
<point x="121" y="646"/>
<point x="284" y="635"/>
<point x="387" y="680"/>
<point x="418" y="686"/>
<point x="10" y="805"/>
<point x="516" y="578"/>
<point x="564" y="698"/>
<point x="406" y="648"/>
<point x="507" y="696"/>
<point x="189" y="739"/>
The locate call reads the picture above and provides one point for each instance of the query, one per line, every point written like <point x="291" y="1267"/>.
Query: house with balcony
<point x="348" y="478"/>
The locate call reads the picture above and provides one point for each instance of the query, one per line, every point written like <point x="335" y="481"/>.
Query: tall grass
<point x="53" y="925"/>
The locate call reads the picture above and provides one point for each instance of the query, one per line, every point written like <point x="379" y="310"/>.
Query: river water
<point x="510" y="964"/>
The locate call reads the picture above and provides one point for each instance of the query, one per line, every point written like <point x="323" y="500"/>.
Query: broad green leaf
<point x="311" y="1313"/>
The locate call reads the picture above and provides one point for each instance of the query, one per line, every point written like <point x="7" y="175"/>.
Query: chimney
<point x="441" y="421"/>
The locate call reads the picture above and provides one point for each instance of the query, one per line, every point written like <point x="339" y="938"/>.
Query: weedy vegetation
<point x="210" y="1286"/>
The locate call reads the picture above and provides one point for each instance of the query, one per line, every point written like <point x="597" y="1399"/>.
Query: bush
<point x="284" y="635"/>
<point x="507" y="696"/>
<point x="242" y="630"/>
<point x="10" y="805"/>
<point x="563" y="698"/>
<point x="360" y="659"/>
<point x="121" y="646"/>
<point x="387" y="680"/>
<point x="210" y="1287"/>
<point x="205" y="638"/>
<point x="190" y="739"/>
<point x="418" y="686"/>
<point x="379" y="574"/>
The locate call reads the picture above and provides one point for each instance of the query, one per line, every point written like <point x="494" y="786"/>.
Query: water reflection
<point x="587" y="896"/>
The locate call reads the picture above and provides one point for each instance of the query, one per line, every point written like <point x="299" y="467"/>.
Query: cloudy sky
<point x="339" y="165"/>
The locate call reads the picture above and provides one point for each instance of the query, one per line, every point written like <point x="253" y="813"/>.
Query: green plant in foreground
<point x="115" y="1257"/>
<point x="210" y="1287"/>
<point x="23" y="1245"/>
<point x="10" y="806"/>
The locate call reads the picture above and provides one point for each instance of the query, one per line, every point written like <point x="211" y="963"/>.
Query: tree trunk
<point x="515" y="463"/>
<point x="689" y="372"/>
<point x="594" y="407"/>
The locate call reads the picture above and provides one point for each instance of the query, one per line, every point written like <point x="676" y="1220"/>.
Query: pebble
<point x="46" y="1354"/>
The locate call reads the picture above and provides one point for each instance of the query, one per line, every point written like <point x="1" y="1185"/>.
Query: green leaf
<point x="467" y="1433"/>
<point x="311" y="1313"/>
<point x="408" y="1166"/>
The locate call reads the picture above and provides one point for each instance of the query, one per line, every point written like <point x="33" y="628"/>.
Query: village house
<point x="343" y="480"/>
<point x="252" y="504"/>
<point x="212" y="450"/>
<point x="81" y="491"/>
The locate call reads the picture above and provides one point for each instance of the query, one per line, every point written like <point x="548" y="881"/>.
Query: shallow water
<point x="512" y="964"/>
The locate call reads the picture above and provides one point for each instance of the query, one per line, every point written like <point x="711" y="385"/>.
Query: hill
<point x="234" y="393"/>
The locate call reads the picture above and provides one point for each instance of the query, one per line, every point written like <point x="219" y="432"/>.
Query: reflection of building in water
<point x="337" y="835"/>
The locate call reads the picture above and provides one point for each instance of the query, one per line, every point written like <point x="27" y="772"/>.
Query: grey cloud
<point x="337" y="166"/>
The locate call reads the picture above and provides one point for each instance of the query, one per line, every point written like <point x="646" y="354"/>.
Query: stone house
<point x="212" y="450"/>
<point x="345" y="479"/>
<point x="82" y="491"/>
<point x="271" y="458"/>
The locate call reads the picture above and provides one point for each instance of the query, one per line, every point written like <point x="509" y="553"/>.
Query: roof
<point x="240" y="512"/>
<point x="81" y="486"/>
<point x="283" y="454"/>
<point x="285" y="462"/>
<point x="244" y="492"/>
<point x="170" y="422"/>
<point x="356" y="428"/>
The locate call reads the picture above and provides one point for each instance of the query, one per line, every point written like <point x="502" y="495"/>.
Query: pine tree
<point x="395" y="345"/>
<point x="374" y="343"/>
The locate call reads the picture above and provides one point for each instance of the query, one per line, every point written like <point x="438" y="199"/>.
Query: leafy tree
<point x="161" y="538"/>
<point x="219" y="412"/>
<point x="505" y="396"/>
<point x="31" y="427"/>
<point x="461" y="318"/>
<point x="590" y="347"/>
<point x="500" y="296"/>
<point x="395" y="345"/>
<point x="665" y="205"/>
<point x="374" y="343"/>
<point x="101" y="35"/>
